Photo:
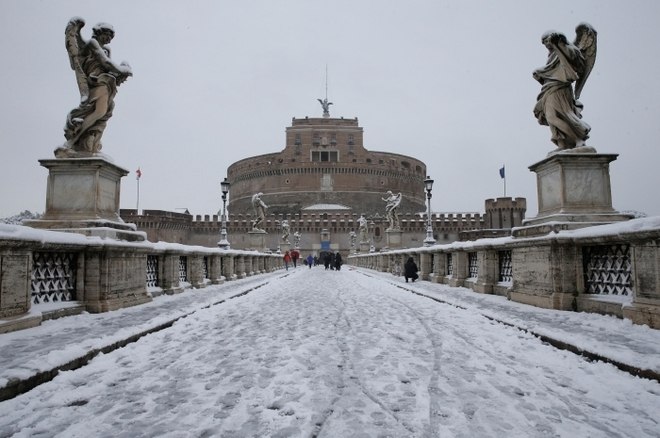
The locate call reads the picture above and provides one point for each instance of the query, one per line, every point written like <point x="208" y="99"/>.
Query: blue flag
<point x="502" y="172"/>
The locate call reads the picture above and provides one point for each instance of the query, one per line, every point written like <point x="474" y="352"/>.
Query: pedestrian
<point x="295" y="255"/>
<point x="326" y="260"/>
<point x="287" y="259"/>
<point x="310" y="261"/>
<point x="410" y="270"/>
<point x="337" y="261"/>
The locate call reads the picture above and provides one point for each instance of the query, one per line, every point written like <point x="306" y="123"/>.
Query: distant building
<point x="324" y="162"/>
<point x="321" y="183"/>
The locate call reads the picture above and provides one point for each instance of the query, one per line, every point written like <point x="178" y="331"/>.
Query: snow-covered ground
<point x="333" y="354"/>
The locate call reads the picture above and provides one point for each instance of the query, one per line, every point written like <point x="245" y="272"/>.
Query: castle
<point x="321" y="183"/>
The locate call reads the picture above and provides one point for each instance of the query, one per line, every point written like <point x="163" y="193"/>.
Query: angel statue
<point x="296" y="239"/>
<point x="326" y="106"/>
<point x="98" y="78"/>
<point x="363" y="229"/>
<point x="285" y="231"/>
<point x="557" y="105"/>
<point x="392" y="209"/>
<point x="259" y="211"/>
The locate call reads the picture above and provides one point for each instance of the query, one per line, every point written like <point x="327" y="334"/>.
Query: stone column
<point x="645" y="308"/>
<point x="170" y="273"/>
<point x="229" y="267"/>
<point x="239" y="266"/>
<point x="215" y="269"/>
<point x="425" y="266"/>
<point x="247" y="263"/>
<point x="460" y="267"/>
<point x="488" y="262"/>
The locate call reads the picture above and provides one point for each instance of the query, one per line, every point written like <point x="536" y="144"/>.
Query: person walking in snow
<point x="310" y="261"/>
<point x="410" y="270"/>
<point x="337" y="261"/>
<point x="295" y="255"/>
<point x="287" y="259"/>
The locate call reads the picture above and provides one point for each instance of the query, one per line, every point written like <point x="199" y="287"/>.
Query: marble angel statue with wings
<point x="98" y="77"/>
<point x="562" y="79"/>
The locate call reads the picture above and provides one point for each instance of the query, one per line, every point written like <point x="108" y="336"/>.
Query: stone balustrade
<point x="610" y="269"/>
<point x="99" y="275"/>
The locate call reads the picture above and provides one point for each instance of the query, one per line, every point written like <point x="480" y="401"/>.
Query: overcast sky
<point x="447" y="82"/>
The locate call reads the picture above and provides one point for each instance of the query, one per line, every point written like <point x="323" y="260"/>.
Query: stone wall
<point x="553" y="271"/>
<point x="100" y="275"/>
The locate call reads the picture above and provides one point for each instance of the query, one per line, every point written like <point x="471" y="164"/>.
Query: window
<point x="325" y="156"/>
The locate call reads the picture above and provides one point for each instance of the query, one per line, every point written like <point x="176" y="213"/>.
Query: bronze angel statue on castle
<point x="98" y="78"/>
<point x="557" y="105"/>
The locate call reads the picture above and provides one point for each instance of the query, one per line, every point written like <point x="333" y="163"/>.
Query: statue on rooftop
<point x="326" y="106"/>
<point x="98" y="77"/>
<point x="557" y="105"/>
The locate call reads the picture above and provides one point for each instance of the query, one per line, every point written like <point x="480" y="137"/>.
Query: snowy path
<point x="337" y="354"/>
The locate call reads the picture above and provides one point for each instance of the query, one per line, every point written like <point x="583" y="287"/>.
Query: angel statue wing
<point x="585" y="40"/>
<point x="75" y="44"/>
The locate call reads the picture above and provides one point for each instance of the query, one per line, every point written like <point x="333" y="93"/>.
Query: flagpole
<point x="137" y="177"/>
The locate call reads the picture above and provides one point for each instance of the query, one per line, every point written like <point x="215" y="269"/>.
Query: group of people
<point x="332" y="261"/>
<point x="291" y="257"/>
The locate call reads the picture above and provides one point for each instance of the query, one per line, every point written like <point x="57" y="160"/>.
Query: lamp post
<point x="224" y="243"/>
<point x="428" y="185"/>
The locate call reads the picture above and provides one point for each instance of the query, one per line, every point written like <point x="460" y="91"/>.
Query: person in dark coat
<point x="326" y="260"/>
<point x="338" y="261"/>
<point x="410" y="270"/>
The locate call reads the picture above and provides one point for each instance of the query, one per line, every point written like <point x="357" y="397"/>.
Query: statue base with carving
<point x="394" y="239"/>
<point x="365" y="247"/>
<point x="257" y="240"/>
<point x="284" y="247"/>
<point x="83" y="197"/>
<point x="573" y="192"/>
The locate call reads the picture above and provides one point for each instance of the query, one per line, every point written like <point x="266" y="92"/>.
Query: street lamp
<point x="428" y="185"/>
<point x="224" y="243"/>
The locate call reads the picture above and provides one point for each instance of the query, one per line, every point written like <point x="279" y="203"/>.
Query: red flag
<point x="138" y="173"/>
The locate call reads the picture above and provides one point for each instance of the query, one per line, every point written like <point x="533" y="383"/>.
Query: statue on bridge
<point x="557" y="105"/>
<point x="392" y="210"/>
<point x="363" y="229"/>
<point x="98" y="77"/>
<point x="285" y="231"/>
<point x="259" y="211"/>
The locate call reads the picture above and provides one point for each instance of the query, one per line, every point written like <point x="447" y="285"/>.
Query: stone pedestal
<point x="573" y="192"/>
<point x="284" y="247"/>
<point x="365" y="247"/>
<point x="83" y="197"/>
<point x="257" y="240"/>
<point x="394" y="238"/>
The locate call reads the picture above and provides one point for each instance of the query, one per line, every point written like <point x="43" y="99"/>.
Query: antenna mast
<point x="324" y="103"/>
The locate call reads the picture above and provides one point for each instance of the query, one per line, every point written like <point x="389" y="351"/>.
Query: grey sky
<point x="215" y="81"/>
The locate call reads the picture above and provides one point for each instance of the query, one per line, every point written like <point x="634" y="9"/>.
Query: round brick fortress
<point x="325" y="162"/>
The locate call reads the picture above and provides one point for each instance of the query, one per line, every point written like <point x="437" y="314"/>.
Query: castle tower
<point x="325" y="162"/>
<point x="505" y="213"/>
